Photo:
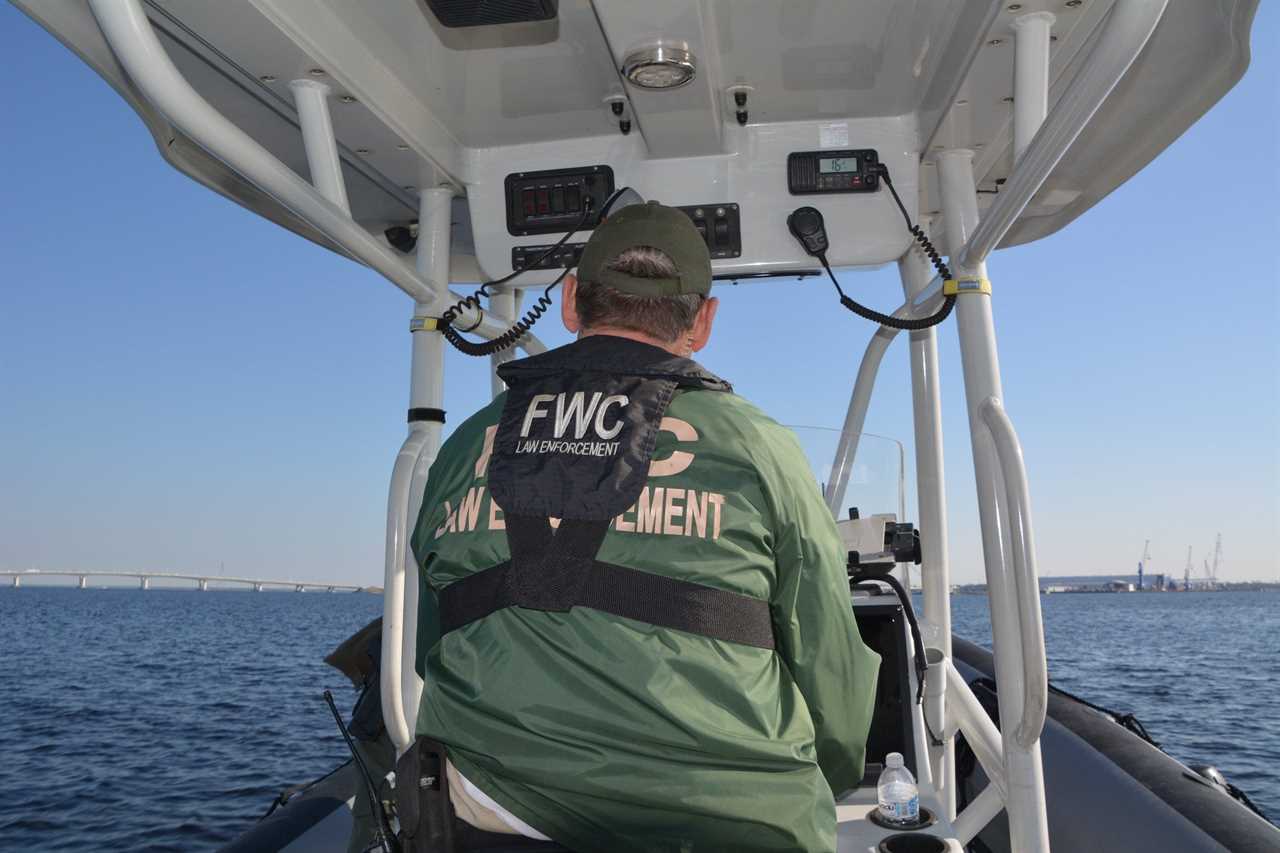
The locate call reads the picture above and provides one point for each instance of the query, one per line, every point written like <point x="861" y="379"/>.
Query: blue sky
<point x="184" y="385"/>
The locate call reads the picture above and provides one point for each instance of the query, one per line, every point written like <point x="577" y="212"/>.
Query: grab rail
<point x="1035" y="675"/>
<point x="128" y="31"/>
<point x="922" y="305"/>
<point x="393" y="699"/>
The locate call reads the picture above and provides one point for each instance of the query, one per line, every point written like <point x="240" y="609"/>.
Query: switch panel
<point x="567" y="255"/>
<point x="719" y="225"/>
<point x="550" y="201"/>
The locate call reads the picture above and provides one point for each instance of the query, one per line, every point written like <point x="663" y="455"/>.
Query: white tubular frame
<point x="977" y="815"/>
<point x="311" y="97"/>
<point x="968" y="716"/>
<point x="399" y="725"/>
<point x="860" y="400"/>
<point x="505" y="302"/>
<point x="126" y="28"/>
<point x="1011" y="758"/>
<point x="401" y="685"/>
<point x="1028" y="824"/>
<point x="855" y="418"/>
<point x="935" y="570"/>
<point x="1116" y="45"/>
<point x="1026" y="583"/>
<point x="1030" y="77"/>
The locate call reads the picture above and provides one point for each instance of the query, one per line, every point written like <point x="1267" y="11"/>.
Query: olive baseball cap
<point x="666" y="229"/>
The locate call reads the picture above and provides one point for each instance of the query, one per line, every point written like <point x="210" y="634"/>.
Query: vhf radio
<point x="848" y="171"/>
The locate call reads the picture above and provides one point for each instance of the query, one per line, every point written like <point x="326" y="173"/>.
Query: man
<point x="635" y="626"/>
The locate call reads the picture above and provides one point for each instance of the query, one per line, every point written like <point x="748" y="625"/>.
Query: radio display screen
<point x="837" y="165"/>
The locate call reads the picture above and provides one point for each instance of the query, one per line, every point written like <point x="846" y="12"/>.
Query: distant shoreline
<point x="1097" y="589"/>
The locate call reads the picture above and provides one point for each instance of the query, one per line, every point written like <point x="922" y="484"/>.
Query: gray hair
<point x="663" y="317"/>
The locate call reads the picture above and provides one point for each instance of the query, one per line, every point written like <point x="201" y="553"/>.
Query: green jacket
<point x="609" y="734"/>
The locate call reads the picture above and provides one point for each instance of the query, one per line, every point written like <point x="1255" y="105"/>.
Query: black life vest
<point x="574" y="443"/>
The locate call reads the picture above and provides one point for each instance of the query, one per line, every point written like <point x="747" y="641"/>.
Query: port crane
<point x="1217" y="559"/>
<point x="1186" y="573"/>
<point x="1144" y="562"/>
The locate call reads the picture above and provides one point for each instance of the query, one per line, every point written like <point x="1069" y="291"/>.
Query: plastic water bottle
<point x="898" y="794"/>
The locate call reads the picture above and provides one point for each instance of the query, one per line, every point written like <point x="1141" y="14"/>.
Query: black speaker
<point x="479" y="13"/>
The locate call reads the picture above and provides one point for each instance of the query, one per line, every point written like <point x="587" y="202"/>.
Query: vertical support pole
<point x="144" y="582"/>
<point x="503" y="303"/>
<point x="312" y="100"/>
<point x="426" y="391"/>
<point x="1030" y="77"/>
<point x="1028" y="824"/>
<point x="935" y="570"/>
<point x="17" y="581"/>
<point x="81" y="584"/>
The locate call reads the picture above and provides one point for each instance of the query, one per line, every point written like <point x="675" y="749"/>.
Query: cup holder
<point x="913" y="842"/>
<point x="927" y="818"/>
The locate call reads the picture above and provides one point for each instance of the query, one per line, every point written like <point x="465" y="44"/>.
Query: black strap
<point x="426" y="414"/>
<point x="556" y="571"/>
<point x="630" y="593"/>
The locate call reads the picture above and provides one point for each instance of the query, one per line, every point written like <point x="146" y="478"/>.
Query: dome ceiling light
<point x="658" y="67"/>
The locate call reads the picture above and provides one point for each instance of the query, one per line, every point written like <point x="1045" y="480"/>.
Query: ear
<point x="701" y="331"/>
<point x="569" y="304"/>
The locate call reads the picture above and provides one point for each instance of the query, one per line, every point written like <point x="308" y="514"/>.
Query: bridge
<point x="201" y="581"/>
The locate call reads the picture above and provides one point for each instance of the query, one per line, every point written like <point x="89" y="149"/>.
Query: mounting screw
<point x="740" y="98"/>
<point x="348" y="99"/>
<point x="1008" y="99"/>
<point x="1000" y="181"/>
<point x="625" y="126"/>
<point x="268" y="78"/>
<point x="616" y="106"/>
<point x="1013" y="7"/>
<point x="316" y="72"/>
<point x="364" y="150"/>
<point x="1071" y="4"/>
<point x="962" y="102"/>
<point x="1053" y="38"/>
<point x="402" y="146"/>
<point x="995" y="42"/>
<point x="742" y="117"/>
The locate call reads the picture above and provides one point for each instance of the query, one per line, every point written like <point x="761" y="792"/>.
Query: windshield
<point x="878" y="481"/>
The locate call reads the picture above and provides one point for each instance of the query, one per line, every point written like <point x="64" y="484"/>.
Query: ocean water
<point x="169" y="719"/>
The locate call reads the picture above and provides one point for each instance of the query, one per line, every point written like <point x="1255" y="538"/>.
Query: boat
<point x="443" y="143"/>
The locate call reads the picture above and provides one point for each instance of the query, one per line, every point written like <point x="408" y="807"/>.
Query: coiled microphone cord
<point x="508" y="338"/>
<point x="521" y="327"/>
<point x="948" y="302"/>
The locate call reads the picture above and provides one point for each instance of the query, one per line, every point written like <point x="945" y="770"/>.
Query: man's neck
<point x="673" y="347"/>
